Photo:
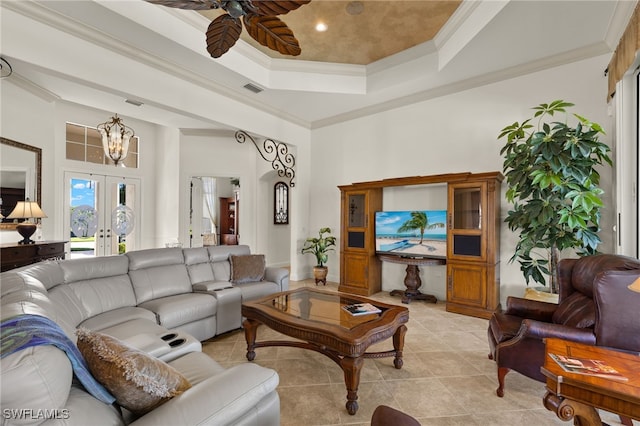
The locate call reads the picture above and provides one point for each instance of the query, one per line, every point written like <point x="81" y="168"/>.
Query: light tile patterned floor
<point x="446" y="379"/>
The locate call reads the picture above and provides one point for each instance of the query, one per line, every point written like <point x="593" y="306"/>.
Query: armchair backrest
<point x="579" y="274"/>
<point x="617" y="310"/>
<point x="576" y="280"/>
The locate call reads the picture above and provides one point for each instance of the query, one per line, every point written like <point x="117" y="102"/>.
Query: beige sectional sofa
<point x="162" y="302"/>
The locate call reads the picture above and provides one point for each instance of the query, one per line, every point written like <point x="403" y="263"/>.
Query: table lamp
<point x="26" y="210"/>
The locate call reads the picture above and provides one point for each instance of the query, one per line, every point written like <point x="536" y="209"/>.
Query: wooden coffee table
<point x="317" y="318"/>
<point x="577" y="396"/>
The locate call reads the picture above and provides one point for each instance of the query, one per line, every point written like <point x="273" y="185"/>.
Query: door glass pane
<point x="356" y="210"/>
<point x="121" y="233"/>
<point x="467" y="213"/>
<point x="84" y="217"/>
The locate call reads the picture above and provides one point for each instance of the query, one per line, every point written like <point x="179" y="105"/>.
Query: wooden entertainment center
<point x="473" y="238"/>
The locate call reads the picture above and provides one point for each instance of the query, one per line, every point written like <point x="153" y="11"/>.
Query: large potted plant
<point x="552" y="181"/>
<point x="320" y="247"/>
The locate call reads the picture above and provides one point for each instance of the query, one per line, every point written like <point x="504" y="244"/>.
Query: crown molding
<point x="29" y="86"/>
<point x="471" y="83"/>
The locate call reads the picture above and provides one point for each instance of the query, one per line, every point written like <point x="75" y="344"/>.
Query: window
<point x="281" y="204"/>
<point x="84" y="144"/>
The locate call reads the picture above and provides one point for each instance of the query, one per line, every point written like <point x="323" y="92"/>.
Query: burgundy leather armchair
<point x="516" y="334"/>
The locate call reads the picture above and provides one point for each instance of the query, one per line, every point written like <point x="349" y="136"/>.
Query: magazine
<point x="361" y="309"/>
<point x="590" y="367"/>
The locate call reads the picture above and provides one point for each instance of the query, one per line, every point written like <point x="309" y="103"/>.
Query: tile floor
<point x="446" y="379"/>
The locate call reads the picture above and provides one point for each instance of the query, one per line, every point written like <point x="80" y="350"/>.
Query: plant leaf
<point x="222" y="34"/>
<point x="271" y="32"/>
<point x="271" y="7"/>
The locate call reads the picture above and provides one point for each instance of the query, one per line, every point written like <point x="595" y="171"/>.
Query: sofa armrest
<point x="218" y="400"/>
<point x="542" y="330"/>
<point x="533" y="309"/>
<point x="211" y="286"/>
<point x="279" y="276"/>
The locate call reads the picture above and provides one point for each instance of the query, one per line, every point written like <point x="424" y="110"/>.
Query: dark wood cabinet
<point x="17" y="255"/>
<point x="360" y="269"/>
<point x="229" y="220"/>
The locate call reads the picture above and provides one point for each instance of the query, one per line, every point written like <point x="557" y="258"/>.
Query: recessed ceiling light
<point x="321" y="27"/>
<point x="355" y="7"/>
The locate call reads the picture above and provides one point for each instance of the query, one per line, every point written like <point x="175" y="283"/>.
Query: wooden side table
<point x="412" y="279"/>
<point x="576" y="396"/>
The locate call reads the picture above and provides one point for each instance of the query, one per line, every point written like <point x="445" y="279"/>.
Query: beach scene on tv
<point x="412" y="233"/>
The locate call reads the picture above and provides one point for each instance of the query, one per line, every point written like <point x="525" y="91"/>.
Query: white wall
<point x="455" y="133"/>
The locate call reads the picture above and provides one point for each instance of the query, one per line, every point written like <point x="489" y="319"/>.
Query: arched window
<point x="281" y="204"/>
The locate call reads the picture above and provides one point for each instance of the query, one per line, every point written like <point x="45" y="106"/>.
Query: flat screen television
<point x="412" y="233"/>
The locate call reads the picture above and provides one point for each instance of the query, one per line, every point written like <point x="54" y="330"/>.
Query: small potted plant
<point x="320" y="247"/>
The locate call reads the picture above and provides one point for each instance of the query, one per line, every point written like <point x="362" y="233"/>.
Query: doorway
<point x="101" y="214"/>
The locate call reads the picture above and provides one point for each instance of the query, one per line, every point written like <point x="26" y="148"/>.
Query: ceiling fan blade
<point x="276" y="7"/>
<point x="222" y="34"/>
<point x="188" y="4"/>
<point x="271" y="32"/>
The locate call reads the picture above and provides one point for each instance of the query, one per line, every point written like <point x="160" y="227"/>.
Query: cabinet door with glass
<point x="467" y="233"/>
<point x="359" y="266"/>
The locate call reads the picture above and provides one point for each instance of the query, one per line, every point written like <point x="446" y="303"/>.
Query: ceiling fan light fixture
<point x="234" y="8"/>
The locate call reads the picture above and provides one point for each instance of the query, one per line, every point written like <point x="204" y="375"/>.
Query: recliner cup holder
<point x="170" y="336"/>
<point x="177" y="342"/>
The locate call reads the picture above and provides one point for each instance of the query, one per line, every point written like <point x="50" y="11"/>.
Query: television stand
<point x="412" y="279"/>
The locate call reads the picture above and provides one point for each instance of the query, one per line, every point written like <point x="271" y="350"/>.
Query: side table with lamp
<point x="27" y="251"/>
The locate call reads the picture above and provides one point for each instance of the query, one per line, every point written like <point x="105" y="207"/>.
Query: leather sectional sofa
<point x="160" y="302"/>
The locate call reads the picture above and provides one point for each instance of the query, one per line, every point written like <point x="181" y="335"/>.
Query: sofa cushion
<point x="138" y="381"/>
<point x="247" y="268"/>
<point x="36" y="377"/>
<point x="174" y="311"/>
<point x="577" y="310"/>
<point x="198" y="266"/>
<point x="160" y="281"/>
<point x="118" y="316"/>
<point x="252" y="291"/>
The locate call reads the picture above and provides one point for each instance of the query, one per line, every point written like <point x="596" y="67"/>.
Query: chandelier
<point x="115" y="139"/>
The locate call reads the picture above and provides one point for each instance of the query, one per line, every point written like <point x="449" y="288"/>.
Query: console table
<point x="577" y="396"/>
<point x="13" y="255"/>
<point x="412" y="279"/>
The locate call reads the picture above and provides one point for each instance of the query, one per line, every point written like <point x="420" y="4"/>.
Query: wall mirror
<point x="20" y="176"/>
<point x="214" y="213"/>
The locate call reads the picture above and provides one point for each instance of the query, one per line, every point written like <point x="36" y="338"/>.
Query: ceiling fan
<point x="259" y="17"/>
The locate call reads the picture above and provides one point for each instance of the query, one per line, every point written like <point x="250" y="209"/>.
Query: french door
<point x="102" y="214"/>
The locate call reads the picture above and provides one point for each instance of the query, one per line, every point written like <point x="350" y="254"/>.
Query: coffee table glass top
<point x="321" y="307"/>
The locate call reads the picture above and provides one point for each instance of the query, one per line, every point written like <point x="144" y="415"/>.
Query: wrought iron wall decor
<point x="276" y="152"/>
<point x="280" y="204"/>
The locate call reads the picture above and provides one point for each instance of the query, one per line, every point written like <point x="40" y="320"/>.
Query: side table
<point x="576" y="396"/>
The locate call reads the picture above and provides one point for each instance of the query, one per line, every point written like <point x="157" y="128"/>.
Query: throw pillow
<point x="138" y="381"/>
<point x="577" y="310"/>
<point x="247" y="268"/>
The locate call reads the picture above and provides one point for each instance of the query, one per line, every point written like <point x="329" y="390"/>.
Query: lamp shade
<point x="26" y="210"/>
<point x="635" y="286"/>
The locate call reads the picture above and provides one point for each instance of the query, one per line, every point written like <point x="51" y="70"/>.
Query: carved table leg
<point x="351" y="368"/>
<point x="567" y="409"/>
<point x="398" y="345"/>
<point x="250" y="330"/>
<point x="413" y="282"/>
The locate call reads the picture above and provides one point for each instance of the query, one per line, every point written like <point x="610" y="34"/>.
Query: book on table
<point x="589" y="367"/>
<point x="361" y="309"/>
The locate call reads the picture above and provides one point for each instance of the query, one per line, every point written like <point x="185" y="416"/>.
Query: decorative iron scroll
<point x="276" y="152"/>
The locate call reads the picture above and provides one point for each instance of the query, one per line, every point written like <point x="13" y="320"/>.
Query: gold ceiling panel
<point x="381" y="29"/>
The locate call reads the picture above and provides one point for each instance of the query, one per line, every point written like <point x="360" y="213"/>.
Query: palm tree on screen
<point x="419" y="220"/>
